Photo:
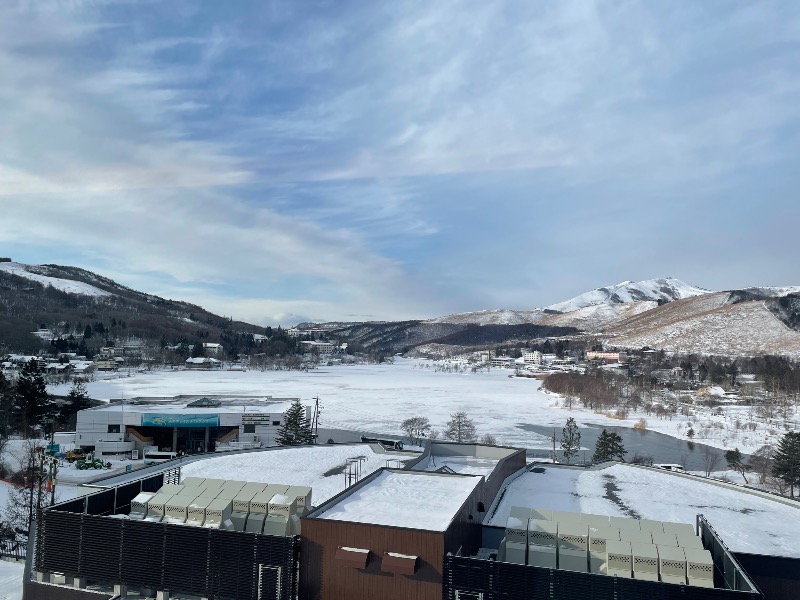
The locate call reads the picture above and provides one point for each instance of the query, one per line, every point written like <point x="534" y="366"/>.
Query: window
<point x="249" y="428"/>
<point x="113" y="429"/>
<point x="276" y="422"/>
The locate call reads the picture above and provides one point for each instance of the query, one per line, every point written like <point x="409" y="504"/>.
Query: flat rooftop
<point x="179" y="407"/>
<point x="412" y="499"/>
<point x="747" y="522"/>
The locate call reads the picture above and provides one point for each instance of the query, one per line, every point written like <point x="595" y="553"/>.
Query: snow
<point x="377" y="398"/>
<point x="745" y="522"/>
<point x="11" y="580"/>
<point x="295" y="466"/>
<point x="410" y="499"/>
<point x="629" y="291"/>
<point x="65" y="285"/>
<point x="464" y="465"/>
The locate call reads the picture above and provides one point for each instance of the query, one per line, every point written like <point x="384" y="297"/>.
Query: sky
<point x="287" y="161"/>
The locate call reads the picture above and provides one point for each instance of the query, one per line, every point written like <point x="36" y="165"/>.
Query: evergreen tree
<point x="735" y="461"/>
<point x="34" y="406"/>
<point x="6" y="404"/>
<point x="77" y="399"/>
<point x="786" y="463"/>
<point x="460" y="428"/>
<point x="296" y="428"/>
<point x="609" y="446"/>
<point x="197" y="350"/>
<point x="570" y="439"/>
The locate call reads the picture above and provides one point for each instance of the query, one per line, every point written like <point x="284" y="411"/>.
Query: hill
<point x="67" y="299"/>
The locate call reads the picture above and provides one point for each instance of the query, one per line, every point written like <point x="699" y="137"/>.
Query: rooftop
<point x="413" y="499"/>
<point x="747" y="522"/>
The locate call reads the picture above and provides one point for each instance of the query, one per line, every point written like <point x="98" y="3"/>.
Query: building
<point x="318" y="347"/>
<point x="173" y="426"/>
<point x="607" y="357"/>
<point x="432" y="530"/>
<point x="201" y="362"/>
<point x="212" y="349"/>
<point x="44" y="334"/>
<point x="532" y="357"/>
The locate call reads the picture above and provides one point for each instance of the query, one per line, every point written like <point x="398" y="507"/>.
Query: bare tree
<point x="460" y="428"/>
<point x="710" y="460"/>
<point x="489" y="440"/>
<point x="416" y="428"/>
<point x="760" y="462"/>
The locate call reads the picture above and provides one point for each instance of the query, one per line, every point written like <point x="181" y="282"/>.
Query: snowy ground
<point x="746" y="523"/>
<point x="378" y="397"/>
<point x="11" y="580"/>
<point x="323" y="468"/>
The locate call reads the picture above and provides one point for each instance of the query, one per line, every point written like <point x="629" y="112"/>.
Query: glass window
<point x="113" y="429"/>
<point x="249" y="428"/>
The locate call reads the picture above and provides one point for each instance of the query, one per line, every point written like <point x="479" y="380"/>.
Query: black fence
<point x="477" y="579"/>
<point x="13" y="549"/>
<point x="193" y="560"/>
<point x="778" y="577"/>
<point x="727" y="570"/>
<point x="90" y="538"/>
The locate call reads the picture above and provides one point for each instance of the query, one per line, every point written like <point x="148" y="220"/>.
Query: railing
<point x="13" y="549"/>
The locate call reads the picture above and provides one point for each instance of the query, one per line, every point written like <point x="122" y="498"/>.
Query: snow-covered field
<point x="378" y="397"/>
<point x="745" y="522"/>
<point x="322" y="467"/>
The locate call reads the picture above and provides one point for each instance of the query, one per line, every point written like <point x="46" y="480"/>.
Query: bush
<point x="640" y="425"/>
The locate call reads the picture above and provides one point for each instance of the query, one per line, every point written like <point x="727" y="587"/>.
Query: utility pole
<point x="315" y="419"/>
<point x="554" y="445"/>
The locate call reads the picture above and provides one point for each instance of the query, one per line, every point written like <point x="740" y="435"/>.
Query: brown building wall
<point x="324" y="578"/>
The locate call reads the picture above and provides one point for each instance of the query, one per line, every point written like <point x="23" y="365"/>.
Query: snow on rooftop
<point x="464" y="465"/>
<point x="320" y="467"/>
<point x="410" y="499"/>
<point x="745" y="522"/>
<point x="65" y="285"/>
<point x="266" y="407"/>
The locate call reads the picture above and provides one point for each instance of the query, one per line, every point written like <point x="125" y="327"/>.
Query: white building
<point x="212" y="349"/>
<point x="531" y="357"/>
<point x="319" y="347"/>
<point x="179" y="426"/>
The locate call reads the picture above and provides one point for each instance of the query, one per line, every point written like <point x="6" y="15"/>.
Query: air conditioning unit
<point x="598" y="538"/>
<point x="635" y="536"/>
<point x="176" y="509"/>
<point x="651" y="526"/>
<point x="542" y="543"/>
<point x="699" y="567"/>
<point x="302" y="496"/>
<point x="624" y="523"/>
<point x="645" y="562"/>
<point x="672" y="564"/>
<point x="196" y="511"/>
<point x="217" y="512"/>
<point x="193" y="482"/>
<point x="517" y="530"/>
<point x="155" y="507"/>
<point x="619" y="558"/>
<point x="573" y="546"/>
<point x="139" y="505"/>
<point x="595" y="520"/>
<point x="664" y="539"/>
<point x="682" y="529"/>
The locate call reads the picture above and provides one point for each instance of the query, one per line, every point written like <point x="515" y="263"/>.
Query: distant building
<point x="201" y="362"/>
<point x="318" y="347"/>
<point x="212" y="349"/>
<point x="607" y="357"/>
<point x="532" y="357"/>
<point x="44" y="334"/>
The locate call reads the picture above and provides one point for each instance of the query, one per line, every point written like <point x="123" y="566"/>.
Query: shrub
<point x="640" y="425"/>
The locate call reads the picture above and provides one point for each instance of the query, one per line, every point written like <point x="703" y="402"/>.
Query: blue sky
<point x="284" y="161"/>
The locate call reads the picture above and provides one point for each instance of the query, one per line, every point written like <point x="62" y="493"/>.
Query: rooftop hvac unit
<point x="275" y="488"/>
<point x="699" y="567"/>
<point x="241" y="503"/>
<point x="302" y="495"/>
<point x="652" y="526"/>
<point x="192" y="481"/>
<point x="517" y="530"/>
<point x="523" y="513"/>
<point x="217" y="512"/>
<point x="210" y="482"/>
<point x="233" y="485"/>
<point x="645" y="562"/>
<point x="595" y="520"/>
<point x="624" y="523"/>
<point x="542" y="533"/>
<point x="678" y="528"/>
<point x="282" y="505"/>
<point x="565" y="517"/>
<point x="254" y="487"/>
<point x="618" y="558"/>
<point x="598" y="537"/>
<point x="196" y="511"/>
<point x="690" y="541"/>
<point x="672" y="564"/>
<point x="227" y="493"/>
<point x="664" y="539"/>
<point x="260" y="503"/>
<point x="176" y="509"/>
<point x="573" y="546"/>
<point x="171" y="488"/>
<point x="636" y="536"/>
<point x="155" y="507"/>
<point x="139" y="505"/>
<point x="515" y="552"/>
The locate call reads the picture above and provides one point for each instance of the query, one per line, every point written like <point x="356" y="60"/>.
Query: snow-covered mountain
<point x="71" y="286"/>
<point x="652" y="290"/>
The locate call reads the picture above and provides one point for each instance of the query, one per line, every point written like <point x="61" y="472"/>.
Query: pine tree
<point x="296" y="428"/>
<point x="34" y="405"/>
<point x="735" y="461"/>
<point x="786" y="465"/>
<point x="460" y="428"/>
<point x="77" y="399"/>
<point x="570" y="439"/>
<point x="609" y="446"/>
